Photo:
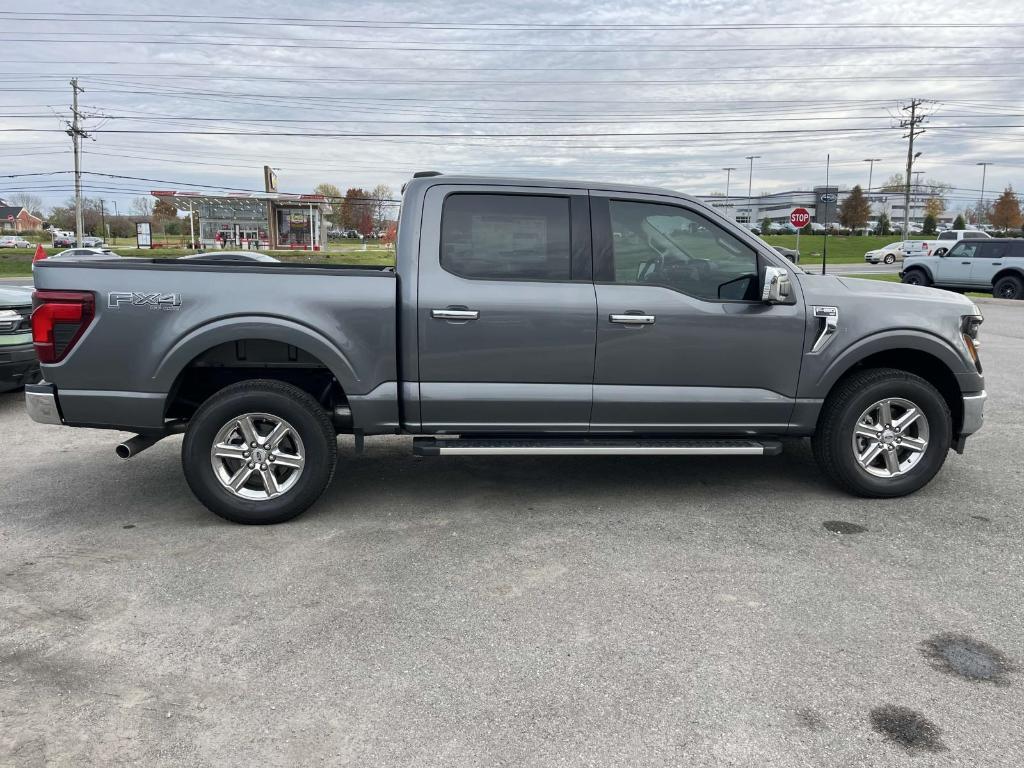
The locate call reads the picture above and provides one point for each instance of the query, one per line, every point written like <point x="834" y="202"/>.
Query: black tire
<point x="266" y="396"/>
<point x="833" y="442"/>
<point x="889" y="259"/>
<point x="916" y="277"/>
<point x="1008" y="287"/>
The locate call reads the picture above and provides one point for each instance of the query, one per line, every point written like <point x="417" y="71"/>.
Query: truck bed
<point x="156" y="317"/>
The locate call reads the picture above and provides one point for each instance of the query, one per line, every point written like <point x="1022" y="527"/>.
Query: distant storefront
<point x="258" y="220"/>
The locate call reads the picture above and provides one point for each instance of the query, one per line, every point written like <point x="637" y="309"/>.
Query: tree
<point x="930" y="224"/>
<point x="164" y="209"/>
<point x="333" y="195"/>
<point x="894" y="183"/>
<point x="357" y="211"/>
<point x="141" y="207"/>
<point x="1006" y="210"/>
<point x="766" y="226"/>
<point x="855" y="210"/>
<point x="935" y="206"/>
<point x="31" y="203"/>
<point x="884" y="226"/>
<point x="382" y="196"/>
<point x="959" y="223"/>
<point x="63" y="216"/>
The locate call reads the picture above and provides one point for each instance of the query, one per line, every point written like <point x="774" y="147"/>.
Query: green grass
<point x="841" y="249"/>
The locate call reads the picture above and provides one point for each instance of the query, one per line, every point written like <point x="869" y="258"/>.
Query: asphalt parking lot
<point x="572" y="611"/>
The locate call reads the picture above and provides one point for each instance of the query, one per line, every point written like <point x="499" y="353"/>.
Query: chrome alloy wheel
<point x="890" y="438"/>
<point x="257" y="456"/>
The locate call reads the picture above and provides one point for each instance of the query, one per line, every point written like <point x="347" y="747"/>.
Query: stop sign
<point x="800" y="218"/>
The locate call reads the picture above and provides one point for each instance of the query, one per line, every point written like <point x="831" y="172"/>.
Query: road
<point x="563" y="611"/>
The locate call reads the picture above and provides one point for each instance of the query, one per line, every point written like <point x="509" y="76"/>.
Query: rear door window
<point x="506" y="237"/>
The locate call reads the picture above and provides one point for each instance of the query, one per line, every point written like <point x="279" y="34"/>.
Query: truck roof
<point x="512" y="181"/>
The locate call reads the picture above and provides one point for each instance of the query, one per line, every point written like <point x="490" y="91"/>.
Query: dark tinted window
<point x="665" y="245"/>
<point x="947" y="236"/>
<point x="506" y="237"/>
<point x="976" y="235"/>
<point x="992" y="249"/>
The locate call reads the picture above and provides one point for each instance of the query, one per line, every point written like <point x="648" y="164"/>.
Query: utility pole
<point x="728" y="176"/>
<point x="916" y="118"/>
<point x="103" y="220"/>
<point x="750" y="184"/>
<point x="824" y="245"/>
<point x="981" y="200"/>
<point x="77" y="134"/>
<point x="871" y="168"/>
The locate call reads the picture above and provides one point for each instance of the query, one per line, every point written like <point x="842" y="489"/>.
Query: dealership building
<point x="821" y="202"/>
<point x="253" y="220"/>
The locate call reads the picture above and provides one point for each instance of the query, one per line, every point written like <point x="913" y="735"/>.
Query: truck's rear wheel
<point x="883" y="433"/>
<point x="916" y="277"/>
<point x="259" y="452"/>
<point x="1009" y="287"/>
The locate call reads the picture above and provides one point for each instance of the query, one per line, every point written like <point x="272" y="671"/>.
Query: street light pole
<point x="728" y="176"/>
<point x="750" y="184"/>
<point x="871" y="168"/>
<point x="981" y="200"/>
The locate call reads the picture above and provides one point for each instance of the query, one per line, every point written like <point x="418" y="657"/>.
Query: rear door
<point x="989" y="258"/>
<point x="506" y="310"/>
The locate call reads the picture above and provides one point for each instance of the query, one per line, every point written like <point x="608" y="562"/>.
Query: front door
<point x="506" y="315"/>
<point x="955" y="267"/>
<point x="684" y="343"/>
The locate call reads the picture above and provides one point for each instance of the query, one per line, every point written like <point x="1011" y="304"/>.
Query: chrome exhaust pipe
<point x="133" y="446"/>
<point x="136" y="445"/>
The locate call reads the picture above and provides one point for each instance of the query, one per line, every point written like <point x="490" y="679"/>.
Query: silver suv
<point x="995" y="265"/>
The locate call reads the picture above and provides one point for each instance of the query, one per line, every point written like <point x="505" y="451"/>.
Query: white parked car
<point x="14" y="241"/>
<point x="82" y="254"/>
<point x="898" y="251"/>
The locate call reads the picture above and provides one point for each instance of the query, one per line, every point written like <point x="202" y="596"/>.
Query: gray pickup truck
<point x="522" y="317"/>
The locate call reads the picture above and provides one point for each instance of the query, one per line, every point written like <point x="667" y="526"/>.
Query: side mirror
<point x="776" y="288"/>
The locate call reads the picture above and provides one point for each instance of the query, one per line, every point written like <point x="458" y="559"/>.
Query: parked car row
<point x="902" y="249"/>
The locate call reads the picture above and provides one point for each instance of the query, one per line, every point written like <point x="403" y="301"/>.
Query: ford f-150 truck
<point x="522" y="317"/>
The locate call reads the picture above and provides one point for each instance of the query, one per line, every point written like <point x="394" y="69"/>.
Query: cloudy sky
<point x="363" y="93"/>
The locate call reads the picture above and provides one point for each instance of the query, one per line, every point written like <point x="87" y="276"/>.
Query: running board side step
<point x="428" y="446"/>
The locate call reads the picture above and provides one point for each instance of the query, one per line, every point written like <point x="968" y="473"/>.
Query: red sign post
<point x="799" y="218"/>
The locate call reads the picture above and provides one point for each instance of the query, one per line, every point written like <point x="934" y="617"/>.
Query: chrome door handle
<point x="454" y="314"/>
<point x="628" y="319"/>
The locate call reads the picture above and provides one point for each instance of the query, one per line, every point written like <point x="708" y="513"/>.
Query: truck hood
<point x="822" y="289"/>
<point x="14" y="296"/>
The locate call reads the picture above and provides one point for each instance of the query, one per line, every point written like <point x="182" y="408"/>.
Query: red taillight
<point x="59" y="319"/>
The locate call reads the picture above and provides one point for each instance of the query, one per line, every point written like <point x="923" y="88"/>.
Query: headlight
<point x="9" y="319"/>
<point x="970" y="326"/>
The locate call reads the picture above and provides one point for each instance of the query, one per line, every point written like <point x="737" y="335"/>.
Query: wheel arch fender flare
<point x="923" y="267"/>
<point x="885" y="341"/>
<point x="1017" y="272"/>
<point x="205" y="337"/>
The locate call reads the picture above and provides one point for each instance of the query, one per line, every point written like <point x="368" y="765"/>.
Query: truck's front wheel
<point x="883" y="433"/>
<point x="259" y="452"/>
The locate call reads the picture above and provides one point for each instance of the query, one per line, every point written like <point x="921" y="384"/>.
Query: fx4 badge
<point x="164" y="301"/>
